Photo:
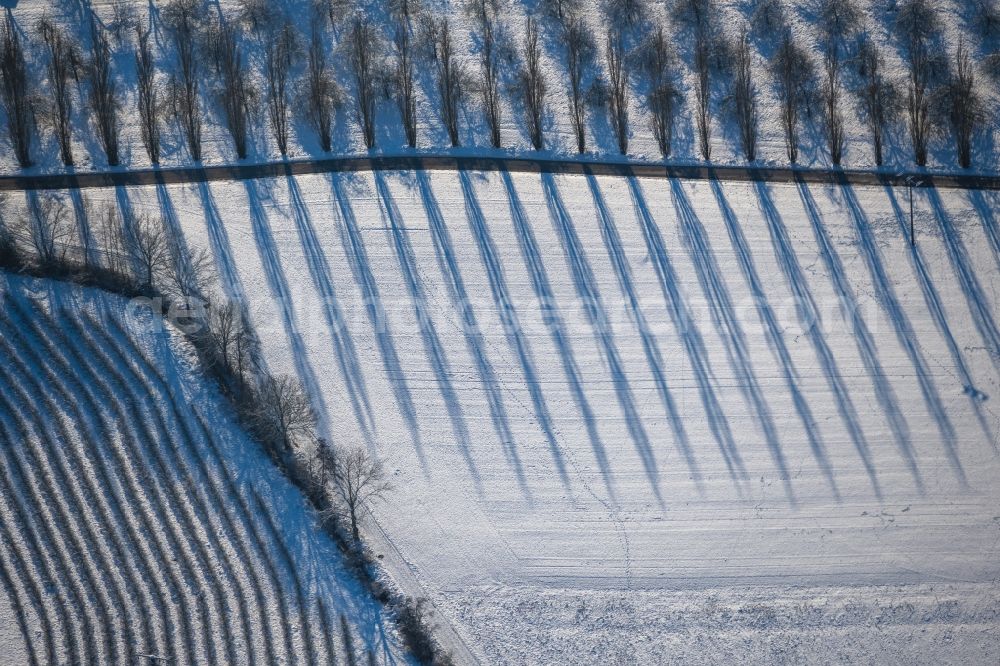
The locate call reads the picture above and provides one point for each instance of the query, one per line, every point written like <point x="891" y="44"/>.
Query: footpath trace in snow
<point x="136" y="521"/>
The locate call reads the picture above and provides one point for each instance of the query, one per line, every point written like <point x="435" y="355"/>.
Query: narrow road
<point x="568" y="165"/>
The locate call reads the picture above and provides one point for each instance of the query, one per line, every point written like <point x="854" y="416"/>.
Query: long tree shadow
<point x="343" y="345"/>
<point x="221" y="248"/>
<point x="501" y="298"/>
<point x="886" y="296"/>
<point x="428" y="332"/>
<point x="280" y="292"/>
<point x="361" y="268"/>
<point x="724" y="318"/>
<point x="82" y="214"/>
<point x="553" y="321"/>
<point x="775" y="336"/>
<point x="616" y="252"/>
<point x="986" y="216"/>
<point x="808" y="314"/>
<point x="435" y="349"/>
<point x="180" y="254"/>
<point x="979" y="305"/>
<point x="587" y="291"/>
<point x="863" y="338"/>
<point x="935" y="307"/>
<point x="690" y="336"/>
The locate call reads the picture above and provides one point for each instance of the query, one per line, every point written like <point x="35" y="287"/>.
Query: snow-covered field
<point x="737" y="420"/>
<point x="137" y="521"/>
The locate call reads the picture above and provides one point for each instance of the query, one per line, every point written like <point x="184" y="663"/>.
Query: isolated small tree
<point x="745" y="97"/>
<point x="147" y="94"/>
<point x="532" y="84"/>
<point x="965" y="106"/>
<point x="618" y="88"/>
<point x="286" y="412"/>
<point x="62" y="65"/>
<point x="321" y="90"/>
<point x="449" y="78"/>
<point x="358" y="479"/>
<point x="489" y="64"/>
<point x="103" y="92"/>
<point x="235" y="91"/>
<point x="663" y="94"/>
<point x="579" y="52"/>
<point x="280" y="47"/>
<point x="183" y="19"/>
<point x="917" y="25"/>
<point x="876" y="94"/>
<point x="362" y="51"/>
<point x="792" y="73"/>
<point x="16" y="93"/>
<point x="405" y="86"/>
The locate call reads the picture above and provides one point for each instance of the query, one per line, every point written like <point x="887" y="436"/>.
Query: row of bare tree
<point x="637" y="56"/>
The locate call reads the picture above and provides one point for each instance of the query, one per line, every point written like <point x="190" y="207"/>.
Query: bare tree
<point x="916" y="22"/>
<point x="618" y="97"/>
<point x="286" y="413"/>
<point x="321" y="91"/>
<point x="147" y="93"/>
<point x="579" y="51"/>
<point x="192" y="274"/>
<point x="745" y="97"/>
<point x="624" y="13"/>
<point x="532" y="83"/>
<point x="63" y="60"/>
<point x="485" y="15"/>
<point x="837" y="19"/>
<point x="876" y="94"/>
<point x="698" y="16"/>
<point x="279" y="50"/>
<point x="965" y="106"/>
<point x="103" y="92"/>
<point x="449" y="78"/>
<point x="358" y="479"/>
<point x="767" y="18"/>
<point x="362" y="48"/>
<point x="662" y="95"/>
<point x="234" y="343"/>
<point x="405" y="92"/>
<point x="792" y="73"/>
<point x="235" y="92"/>
<point x="183" y="18"/>
<point x="51" y="228"/>
<point x="16" y="93"/>
<point x="124" y="21"/>
<point x="257" y="15"/>
<point x="561" y="10"/>
<point x="148" y="248"/>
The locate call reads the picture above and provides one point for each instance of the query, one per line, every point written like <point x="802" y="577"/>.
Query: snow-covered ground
<point x="738" y="419"/>
<point x="137" y="519"/>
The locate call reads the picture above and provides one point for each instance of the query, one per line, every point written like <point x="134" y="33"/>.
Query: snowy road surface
<point x="732" y="418"/>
